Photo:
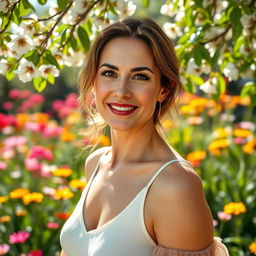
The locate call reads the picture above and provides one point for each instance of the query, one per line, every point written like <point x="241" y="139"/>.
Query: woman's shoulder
<point x="92" y="160"/>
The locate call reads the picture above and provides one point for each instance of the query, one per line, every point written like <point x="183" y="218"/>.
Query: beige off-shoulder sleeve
<point x="216" y="248"/>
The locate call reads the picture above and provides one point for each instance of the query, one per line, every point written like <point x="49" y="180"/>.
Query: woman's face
<point x="127" y="84"/>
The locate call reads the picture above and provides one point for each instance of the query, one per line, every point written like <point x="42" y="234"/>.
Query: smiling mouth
<point x="122" y="109"/>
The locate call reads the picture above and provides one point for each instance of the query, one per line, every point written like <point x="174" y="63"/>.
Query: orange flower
<point x="63" y="193"/>
<point x="3" y="199"/>
<point x="5" y="218"/>
<point x="252" y="247"/>
<point x="61" y="172"/>
<point x="19" y="193"/>
<point x="187" y="109"/>
<point x="218" y="144"/>
<point x="67" y="136"/>
<point x="235" y="208"/>
<point x="79" y="184"/>
<point x="104" y="140"/>
<point x="242" y="133"/>
<point x="195" y="120"/>
<point x="41" y="118"/>
<point x="22" y="119"/>
<point x="73" y="118"/>
<point x="20" y="212"/>
<point x="62" y="215"/>
<point x="249" y="147"/>
<point x="167" y="124"/>
<point x="33" y="197"/>
<point x="198" y="155"/>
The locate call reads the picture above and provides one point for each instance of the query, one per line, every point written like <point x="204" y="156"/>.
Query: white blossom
<point x="4" y="51"/>
<point x="20" y="44"/>
<point x="73" y="59"/>
<point x="26" y="71"/>
<point x="193" y="68"/>
<point x="4" y="6"/>
<point x="172" y="30"/>
<point x="231" y="72"/>
<point x="80" y="5"/>
<point x="125" y="8"/>
<point x="58" y="56"/>
<point x="212" y="47"/>
<point x="3" y="66"/>
<point x="205" y="67"/>
<point x="46" y="70"/>
<point x="206" y="3"/>
<point x="27" y="29"/>
<point x="209" y="86"/>
<point x="167" y="9"/>
<point x="248" y="74"/>
<point x="247" y="20"/>
<point x="180" y="16"/>
<point x="245" y="50"/>
<point x="54" y="8"/>
<point x="213" y="32"/>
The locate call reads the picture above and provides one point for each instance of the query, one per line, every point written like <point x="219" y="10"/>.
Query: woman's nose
<point x="122" y="89"/>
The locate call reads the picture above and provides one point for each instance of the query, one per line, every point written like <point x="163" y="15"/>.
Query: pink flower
<point x="19" y="237"/>
<point x="14" y="94"/>
<point x="52" y="131"/>
<point x="15" y="141"/>
<point x="36" y="253"/>
<point x="48" y="191"/>
<point x="40" y="152"/>
<point x="239" y="140"/>
<point x="36" y="98"/>
<point x="3" y="166"/>
<point x="8" y="105"/>
<point x="3" y="121"/>
<point x="57" y="104"/>
<point x="32" y="164"/>
<point x="215" y="223"/>
<point x="4" y="248"/>
<point x="224" y="216"/>
<point x="34" y="127"/>
<point x="53" y="225"/>
<point x="71" y="100"/>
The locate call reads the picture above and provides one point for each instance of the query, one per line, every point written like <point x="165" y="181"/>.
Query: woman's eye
<point x="109" y="73"/>
<point x="140" y="77"/>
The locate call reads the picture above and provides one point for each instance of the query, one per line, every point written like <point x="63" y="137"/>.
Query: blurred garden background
<point x="42" y="47"/>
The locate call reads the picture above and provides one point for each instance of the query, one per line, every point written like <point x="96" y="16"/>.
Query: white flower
<point x="167" y="9"/>
<point x="205" y="67"/>
<point x="4" y="6"/>
<point x="4" y="51"/>
<point x="213" y="32"/>
<point x="180" y="16"/>
<point x="209" y="86"/>
<point x="172" y="30"/>
<point x="46" y="70"/>
<point x="73" y="16"/>
<point x="212" y="47"/>
<point x="20" y="44"/>
<point x="247" y="20"/>
<point x="80" y="5"/>
<point x="26" y="71"/>
<point x="206" y="3"/>
<point x="193" y="68"/>
<point x="27" y="28"/>
<point x="54" y="8"/>
<point x="231" y="72"/>
<point x="3" y="66"/>
<point x="58" y="56"/>
<point x="74" y="59"/>
<point x="248" y="74"/>
<point x="245" y="50"/>
<point x="125" y="7"/>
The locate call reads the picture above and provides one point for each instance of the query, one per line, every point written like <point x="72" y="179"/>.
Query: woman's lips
<point x="122" y="109"/>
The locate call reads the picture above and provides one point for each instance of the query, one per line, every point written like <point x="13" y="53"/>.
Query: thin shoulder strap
<point x="162" y="168"/>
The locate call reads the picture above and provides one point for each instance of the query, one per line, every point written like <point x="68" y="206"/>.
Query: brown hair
<point x="163" y="53"/>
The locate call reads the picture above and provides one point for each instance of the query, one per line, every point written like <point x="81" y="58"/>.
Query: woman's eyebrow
<point x="132" y="70"/>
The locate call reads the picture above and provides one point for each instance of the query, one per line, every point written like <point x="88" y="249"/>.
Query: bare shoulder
<point x="181" y="216"/>
<point x="92" y="160"/>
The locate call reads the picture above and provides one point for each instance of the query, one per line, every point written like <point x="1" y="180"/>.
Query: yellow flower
<point x="61" y="172"/>
<point x="222" y="133"/>
<point x="242" y="133"/>
<point x="248" y="148"/>
<point x="217" y="144"/>
<point x="5" y="218"/>
<point x="79" y="184"/>
<point x="235" y="208"/>
<point x="252" y="247"/>
<point x="104" y="140"/>
<point x="74" y="118"/>
<point x="167" y="124"/>
<point x="19" y="193"/>
<point x="33" y="197"/>
<point x="63" y="193"/>
<point x="3" y="199"/>
<point x="67" y="136"/>
<point x="187" y="109"/>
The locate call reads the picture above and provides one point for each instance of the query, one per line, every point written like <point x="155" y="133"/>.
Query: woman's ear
<point x="162" y="94"/>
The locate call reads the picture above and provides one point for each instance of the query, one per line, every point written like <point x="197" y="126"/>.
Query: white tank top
<point x="125" y="234"/>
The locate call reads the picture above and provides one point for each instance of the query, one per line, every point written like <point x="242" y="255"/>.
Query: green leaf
<point x="222" y="83"/>
<point x="189" y="86"/>
<point x="42" y="2"/>
<point x="145" y="3"/>
<point x="23" y="9"/>
<point x="49" y="59"/>
<point x="28" y="5"/>
<point x="62" y="4"/>
<point x="84" y="38"/>
<point x="9" y="75"/>
<point x="33" y="56"/>
<point x="235" y="16"/>
<point x="51" y="79"/>
<point x="73" y="43"/>
<point x="216" y="56"/>
<point x="196" y="79"/>
<point x="205" y="53"/>
<point x="197" y="56"/>
<point x="39" y="84"/>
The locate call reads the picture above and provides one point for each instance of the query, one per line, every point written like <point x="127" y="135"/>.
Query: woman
<point x="142" y="197"/>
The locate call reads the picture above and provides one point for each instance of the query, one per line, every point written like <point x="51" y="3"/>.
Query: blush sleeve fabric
<point x="216" y="248"/>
